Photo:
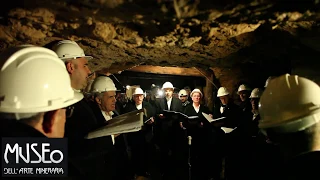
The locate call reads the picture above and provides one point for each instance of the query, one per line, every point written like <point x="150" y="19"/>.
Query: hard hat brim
<point x="86" y="57"/>
<point x="76" y="98"/>
<point x="105" y="91"/>
<point x="169" y="88"/>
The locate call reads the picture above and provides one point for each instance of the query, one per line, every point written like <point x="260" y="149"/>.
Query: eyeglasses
<point x="69" y="111"/>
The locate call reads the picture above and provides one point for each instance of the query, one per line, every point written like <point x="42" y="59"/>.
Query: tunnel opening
<point x="148" y="77"/>
<point x="145" y="80"/>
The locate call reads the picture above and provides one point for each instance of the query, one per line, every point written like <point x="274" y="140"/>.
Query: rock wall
<point x="241" y="41"/>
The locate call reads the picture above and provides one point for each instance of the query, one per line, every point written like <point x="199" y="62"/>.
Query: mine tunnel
<point x="202" y="44"/>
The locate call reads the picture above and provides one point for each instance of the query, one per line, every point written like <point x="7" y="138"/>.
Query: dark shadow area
<point x="145" y="80"/>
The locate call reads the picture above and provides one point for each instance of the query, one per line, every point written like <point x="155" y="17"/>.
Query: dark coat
<point x="94" y="157"/>
<point x="166" y="128"/>
<point x="206" y="144"/>
<point x="12" y="128"/>
<point x="138" y="141"/>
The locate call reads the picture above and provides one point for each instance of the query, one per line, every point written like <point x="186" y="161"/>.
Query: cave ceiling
<point x="120" y="34"/>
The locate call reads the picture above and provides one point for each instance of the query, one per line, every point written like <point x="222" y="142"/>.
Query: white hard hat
<point x="243" y="87"/>
<point x="138" y="91"/>
<point x="289" y="104"/>
<point x="32" y="80"/>
<point x="268" y="80"/>
<point x="67" y="49"/>
<point x="167" y="85"/>
<point x="196" y="91"/>
<point x="103" y="84"/>
<point x="256" y="93"/>
<point x="183" y="92"/>
<point x="222" y="91"/>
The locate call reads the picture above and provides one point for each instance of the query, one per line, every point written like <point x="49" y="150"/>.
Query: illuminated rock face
<point x="241" y="41"/>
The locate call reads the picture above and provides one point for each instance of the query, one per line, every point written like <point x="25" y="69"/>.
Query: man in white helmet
<point x="183" y="96"/>
<point x="167" y="127"/>
<point x="139" y="141"/>
<point x="233" y="119"/>
<point x="34" y="103"/>
<point x="244" y="93"/>
<point x="76" y="62"/>
<point x="290" y="116"/>
<point x="104" y="91"/>
<point x="254" y="99"/>
<point x="83" y="119"/>
<point x="227" y="109"/>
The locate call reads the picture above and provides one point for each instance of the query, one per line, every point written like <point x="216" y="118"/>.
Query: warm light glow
<point x="160" y="92"/>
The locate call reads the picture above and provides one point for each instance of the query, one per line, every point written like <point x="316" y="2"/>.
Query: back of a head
<point x="103" y="84"/>
<point x="33" y="80"/>
<point x="289" y="104"/>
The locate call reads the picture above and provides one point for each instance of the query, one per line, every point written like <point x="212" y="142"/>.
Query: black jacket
<point x="138" y="140"/>
<point x="94" y="157"/>
<point x="16" y="129"/>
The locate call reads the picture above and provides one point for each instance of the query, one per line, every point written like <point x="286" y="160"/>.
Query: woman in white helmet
<point x="139" y="142"/>
<point x="204" y="143"/>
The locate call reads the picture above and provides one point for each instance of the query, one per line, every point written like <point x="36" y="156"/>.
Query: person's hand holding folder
<point x="149" y="121"/>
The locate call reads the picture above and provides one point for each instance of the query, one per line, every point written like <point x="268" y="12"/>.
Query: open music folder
<point x="210" y="119"/>
<point x="125" y="123"/>
<point x="168" y="113"/>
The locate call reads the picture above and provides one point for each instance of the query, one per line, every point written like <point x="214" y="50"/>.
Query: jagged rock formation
<point x="239" y="40"/>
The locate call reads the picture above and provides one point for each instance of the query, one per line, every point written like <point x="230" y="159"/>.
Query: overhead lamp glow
<point x="160" y="93"/>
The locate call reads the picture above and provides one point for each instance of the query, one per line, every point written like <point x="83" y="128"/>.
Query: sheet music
<point x="179" y="113"/>
<point x="125" y="123"/>
<point x="228" y="130"/>
<point x="210" y="119"/>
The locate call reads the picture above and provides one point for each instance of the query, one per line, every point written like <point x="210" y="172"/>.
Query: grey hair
<point x="98" y="95"/>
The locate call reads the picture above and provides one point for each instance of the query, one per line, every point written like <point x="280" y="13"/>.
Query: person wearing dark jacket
<point x="183" y="96"/>
<point x="233" y="145"/>
<point x="89" y="155"/>
<point x="36" y="106"/>
<point x="206" y="140"/>
<point x="114" y="147"/>
<point x="228" y="109"/>
<point x="290" y="111"/>
<point x="140" y="141"/>
<point x="166" y="129"/>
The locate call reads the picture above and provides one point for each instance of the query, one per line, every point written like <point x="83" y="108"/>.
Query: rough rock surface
<point x="241" y="41"/>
